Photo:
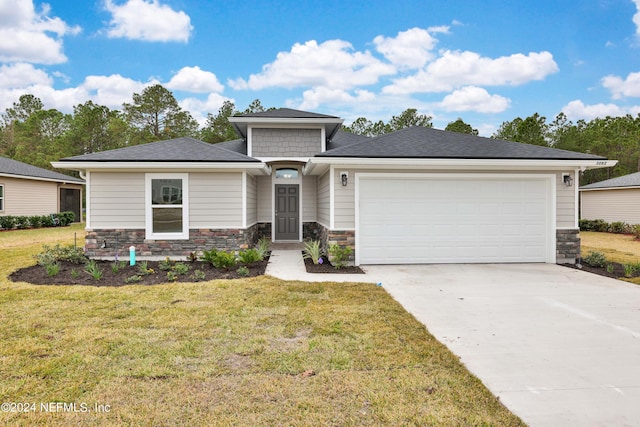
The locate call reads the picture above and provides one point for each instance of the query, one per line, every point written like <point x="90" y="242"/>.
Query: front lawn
<point x="619" y="248"/>
<point x="257" y="351"/>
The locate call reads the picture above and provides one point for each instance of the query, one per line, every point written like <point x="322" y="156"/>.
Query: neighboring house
<point x="417" y="195"/>
<point x="616" y="199"/>
<point x="27" y="190"/>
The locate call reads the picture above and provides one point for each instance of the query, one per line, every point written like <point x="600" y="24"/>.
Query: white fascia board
<point x="253" y="168"/>
<point x="464" y="164"/>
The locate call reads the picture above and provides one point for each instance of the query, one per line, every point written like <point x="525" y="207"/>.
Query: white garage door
<point x="411" y="219"/>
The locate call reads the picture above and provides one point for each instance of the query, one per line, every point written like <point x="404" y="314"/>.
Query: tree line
<point x="34" y="135"/>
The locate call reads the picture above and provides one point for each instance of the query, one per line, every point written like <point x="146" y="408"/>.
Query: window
<point x="1" y="198"/>
<point x="167" y="206"/>
<point x="287" y="173"/>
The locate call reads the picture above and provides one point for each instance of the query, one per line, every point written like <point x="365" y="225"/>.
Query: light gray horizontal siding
<point x="611" y="205"/>
<point x="309" y="197"/>
<point x="25" y="197"/>
<point x="252" y="201"/>
<point x="117" y="200"/>
<point x="215" y="200"/>
<point x="324" y="204"/>
<point x="264" y="199"/>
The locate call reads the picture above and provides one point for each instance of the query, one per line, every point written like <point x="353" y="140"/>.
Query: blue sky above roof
<point x="484" y="64"/>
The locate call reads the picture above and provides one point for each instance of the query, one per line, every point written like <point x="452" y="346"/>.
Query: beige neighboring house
<point x="414" y="196"/>
<point x="27" y="190"/>
<point x="612" y="200"/>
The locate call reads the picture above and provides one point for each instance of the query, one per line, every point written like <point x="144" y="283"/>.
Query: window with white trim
<point x="166" y="201"/>
<point x="1" y="198"/>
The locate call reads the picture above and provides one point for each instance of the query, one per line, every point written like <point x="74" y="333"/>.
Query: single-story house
<point x="616" y="199"/>
<point x="27" y="190"/>
<point x="417" y="195"/>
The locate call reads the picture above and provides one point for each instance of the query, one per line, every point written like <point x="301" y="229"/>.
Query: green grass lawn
<point x="252" y="352"/>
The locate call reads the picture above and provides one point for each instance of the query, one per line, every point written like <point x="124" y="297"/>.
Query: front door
<point x="287" y="213"/>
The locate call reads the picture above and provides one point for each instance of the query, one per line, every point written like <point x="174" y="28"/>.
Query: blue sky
<point x="485" y="62"/>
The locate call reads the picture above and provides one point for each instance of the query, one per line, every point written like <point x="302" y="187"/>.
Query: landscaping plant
<point x="339" y="255"/>
<point x="313" y="251"/>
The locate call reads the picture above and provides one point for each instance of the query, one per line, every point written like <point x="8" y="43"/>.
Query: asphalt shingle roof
<point x="342" y="139"/>
<point x="429" y="143"/>
<point x="288" y="113"/>
<point x="14" y="167"/>
<point x="173" y="150"/>
<point x="237" y="145"/>
<point x="631" y="180"/>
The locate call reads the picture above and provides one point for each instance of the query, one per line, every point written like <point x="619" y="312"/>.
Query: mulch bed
<point x="74" y="274"/>
<point x="616" y="270"/>
<point x="326" y="267"/>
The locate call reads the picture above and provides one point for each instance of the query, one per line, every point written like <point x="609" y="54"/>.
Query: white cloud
<point x="409" y="49"/>
<point x="455" y="69"/>
<point x="193" y="79"/>
<point x="200" y="108"/>
<point x="313" y="98"/>
<point x="21" y="75"/>
<point x="636" y="17"/>
<point x="471" y="98"/>
<point x="620" y="88"/>
<point x="112" y="90"/>
<point x="148" y="21"/>
<point x="576" y="110"/>
<point x="332" y="64"/>
<point x="30" y="36"/>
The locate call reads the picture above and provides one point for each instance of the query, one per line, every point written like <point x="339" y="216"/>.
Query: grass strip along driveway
<point x="253" y="352"/>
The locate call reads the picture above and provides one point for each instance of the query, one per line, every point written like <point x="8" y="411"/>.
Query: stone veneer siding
<point x="199" y="239"/>
<point x="341" y="237"/>
<point x="567" y="246"/>
<point x="285" y="142"/>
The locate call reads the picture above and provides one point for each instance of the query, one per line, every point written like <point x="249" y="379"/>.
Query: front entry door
<point x="287" y="213"/>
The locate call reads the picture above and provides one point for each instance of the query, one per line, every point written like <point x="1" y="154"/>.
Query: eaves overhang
<point x="317" y="165"/>
<point x="37" y="178"/>
<point x="254" y="168"/>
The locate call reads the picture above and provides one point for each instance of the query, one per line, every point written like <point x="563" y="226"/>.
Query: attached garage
<point x="455" y="218"/>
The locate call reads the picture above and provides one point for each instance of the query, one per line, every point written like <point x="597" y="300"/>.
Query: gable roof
<point x="14" y="168"/>
<point x="173" y="150"/>
<point x="428" y="143"/>
<point x="343" y="138"/>
<point x="631" y="180"/>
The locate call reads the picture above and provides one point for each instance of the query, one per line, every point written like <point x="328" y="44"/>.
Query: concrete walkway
<point x="286" y="263"/>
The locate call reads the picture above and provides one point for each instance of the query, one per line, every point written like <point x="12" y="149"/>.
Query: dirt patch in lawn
<point x="124" y="274"/>
<point x="326" y="267"/>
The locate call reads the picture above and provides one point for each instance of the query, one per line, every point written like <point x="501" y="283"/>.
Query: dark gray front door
<point x="287" y="213"/>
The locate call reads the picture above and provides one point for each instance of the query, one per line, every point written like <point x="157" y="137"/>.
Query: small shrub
<point x="610" y="268"/>
<point x="7" y="222"/>
<point x="224" y="260"/>
<point x="339" y="255"/>
<point x="192" y="257"/>
<point x="595" y="259"/>
<point x="133" y="279"/>
<point x="198" y="275"/>
<point x="249" y="256"/>
<point x="243" y="271"/>
<point x="312" y="251"/>
<point x="52" y="269"/>
<point x="635" y="230"/>
<point x="22" y="222"/>
<point x="93" y="269"/>
<point x="144" y="269"/>
<point x="263" y="248"/>
<point x="66" y="218"/>
<point x="619" y="227"/>
<point x="593" y="225"/>
<point x="181" y="268"/>
<point x="46" y="221"/>
<point x="208" y="256"/>
<point x="166" y="264"/>
<point x="57" y="253"/>
<point x="629" y="270"/>
<point x="117" y="266"/>
<point x="172" y="276"/>
<point x="35" y="221"/>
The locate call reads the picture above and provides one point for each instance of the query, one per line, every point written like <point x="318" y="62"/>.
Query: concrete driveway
<point x="558" y="346"/>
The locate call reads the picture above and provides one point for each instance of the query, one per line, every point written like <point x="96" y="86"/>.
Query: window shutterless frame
<point x="167" y="206"/>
